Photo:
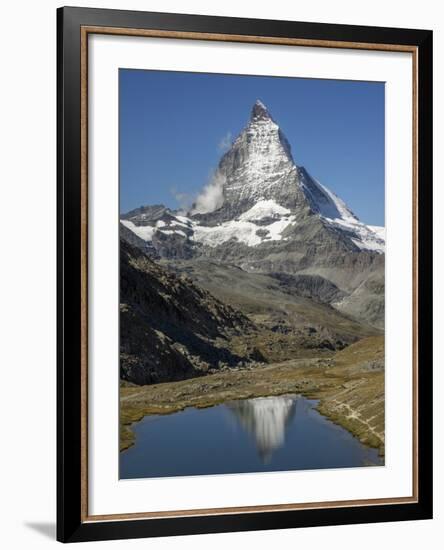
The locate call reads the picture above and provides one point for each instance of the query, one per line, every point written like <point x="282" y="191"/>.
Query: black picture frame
<point x="71" y="523"/>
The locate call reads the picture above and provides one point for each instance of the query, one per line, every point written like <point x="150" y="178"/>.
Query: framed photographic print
<point x="245" y="267"/>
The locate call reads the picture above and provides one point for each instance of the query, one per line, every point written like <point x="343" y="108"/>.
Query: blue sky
<point x="174" y="126"/>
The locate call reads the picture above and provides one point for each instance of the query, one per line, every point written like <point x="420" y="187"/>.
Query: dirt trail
<point x="349" y="396"/>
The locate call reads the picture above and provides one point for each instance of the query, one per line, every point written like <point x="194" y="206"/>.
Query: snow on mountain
<point x="322" y="200"/>
<point x="260" y="193"/>
<point x="363" y="236"/>
<point x="145" y="232"/>
<point x="379" y="230"/>
<point x="243" y="231"/>
<point x="338" y="215"/>
<point x="258" y="167"/>
<point x="266" y="159"/>
<point x="263" y="213"/>
<point x="264" y="209"/>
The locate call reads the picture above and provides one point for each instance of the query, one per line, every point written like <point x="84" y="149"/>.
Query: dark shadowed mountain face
<point x="170" y="329"/>
<point x="265" y="214"/>
<point x="173" y="329"/>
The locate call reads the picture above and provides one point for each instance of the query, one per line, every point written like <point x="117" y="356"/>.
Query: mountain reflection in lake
<point x="254" y="435"/>
<point x="266" y="419"/>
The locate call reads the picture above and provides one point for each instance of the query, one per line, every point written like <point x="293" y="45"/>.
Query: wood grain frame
<point x="75" y="25"/>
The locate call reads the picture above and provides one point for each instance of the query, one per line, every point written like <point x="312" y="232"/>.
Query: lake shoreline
<point x="350" y="393"/>
<point x="263" y="434"/>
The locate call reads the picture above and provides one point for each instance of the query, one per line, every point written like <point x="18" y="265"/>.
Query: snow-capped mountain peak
<point x="258" y="166"/>
<point x="263" y="196"/>
<point x="260" y="111"/>
<point x="323" y="201"/>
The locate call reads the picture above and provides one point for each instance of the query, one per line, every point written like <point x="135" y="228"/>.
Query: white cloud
<point x="225" y="142"/>
<point x="184" y="200"/>
<point x="211" y="197"/>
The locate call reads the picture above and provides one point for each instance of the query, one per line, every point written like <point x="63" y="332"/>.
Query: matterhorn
<point x="265" y="214"/>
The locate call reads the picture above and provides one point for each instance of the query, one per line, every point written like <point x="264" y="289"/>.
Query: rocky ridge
<point x="269" y="215"/>
<point x="170" y="329"/>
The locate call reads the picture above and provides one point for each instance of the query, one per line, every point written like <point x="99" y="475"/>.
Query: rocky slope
<point x="265" y="214"/>
<point x="281" y="304"/>
<point x="170" y="329"/>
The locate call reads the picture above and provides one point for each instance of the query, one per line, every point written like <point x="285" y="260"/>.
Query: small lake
<point x="263" y="434"/>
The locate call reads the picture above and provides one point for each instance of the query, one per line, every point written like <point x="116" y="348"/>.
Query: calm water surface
<point x="253" y="435"/>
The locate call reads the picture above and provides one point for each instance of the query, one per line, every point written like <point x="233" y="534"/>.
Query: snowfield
<point x="245" y="230"/>
<point x="264" y="209"/>
<point x="336" y="213"/>
<point x="379" y="230"/>
<point x="145" y="232"/>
